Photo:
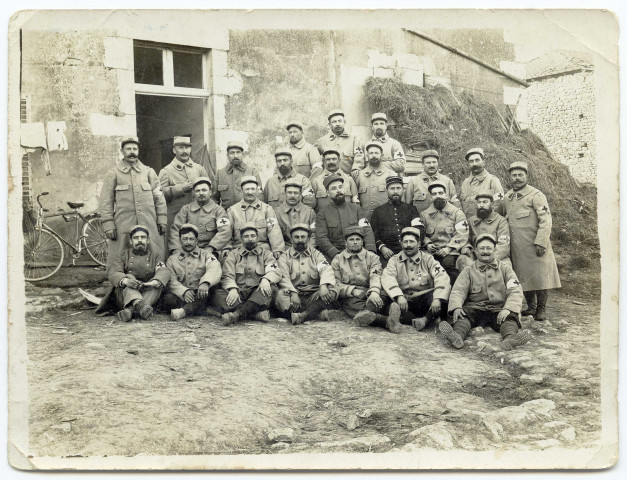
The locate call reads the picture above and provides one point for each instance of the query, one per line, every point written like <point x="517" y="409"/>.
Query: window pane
<point x="187" y="69"/>
<point x="148" y="65"/>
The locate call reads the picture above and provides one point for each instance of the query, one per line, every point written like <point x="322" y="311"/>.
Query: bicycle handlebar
<point x="41" y="195"/>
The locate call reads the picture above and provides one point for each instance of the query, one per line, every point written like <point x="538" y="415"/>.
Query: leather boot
<point x="530" y="298"/>
<point x="540" y="315"/>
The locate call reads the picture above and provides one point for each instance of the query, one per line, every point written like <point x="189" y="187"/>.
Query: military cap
<point x="378" y="116"/>
<point x="200" y="180"/>
<point x="430" y="153"/>
<point x="436" y="184"/>
<point x="393" y="179"/>
<point x="126" y="140"/>
<point x="188" y="227"/>
<point x="411" y="231"/>
<point x="282" y="151"/>
<point x="300" y="226"/>
<point x="293" y="183"/>
<point x="235" y="144"/>
<point x="485" y="236"/>
<point x="330" y="150"/>
<point x="354" y="230"/>
<point x="248" y="179"/>
<point x="334" y="177"/>
<point x="335" y="112"/>
<point x="182" y="141"/>
<point x="374" y="144"/>
<point x="294" y="124"/>
<point x="484" y="194"/>
<point x="248" y="226"/>
<point x="135" y="228"/>
<point x="519" y="166"/>
<point x="474" y="150"/>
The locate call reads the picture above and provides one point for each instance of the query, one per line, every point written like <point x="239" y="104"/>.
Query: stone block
<point x="436" y="435"/>
<point x="281" y="435"/>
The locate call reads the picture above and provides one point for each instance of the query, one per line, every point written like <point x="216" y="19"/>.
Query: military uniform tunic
<point x="446" y="228"/>
<point x="332" y="221"/>
<point x="321" y="195"/>
<point x="288" y="216"/>
<point x="417" y="193"/>
<point x="304" y="272"/>
<point x="472" y="185"/>
<point x="387" y="223"/>
<point x="190" y="269"/>
<point x="306" y="157"/>
<point x="229" y="190"/>
<point x="350" y="147"/>
<point x="244" y="269"/>
<point x="131" y="195"/>
<point x="371" y="188"/>
<point x="530" y="223"/>
<point x="495" y="225"/>
<point x="352" y="270"/>
<point x="274" y="191"/>
<point x="214" y="227"/>
<point x="405" y="276"/>
<point x="262" y="216"/>
<point x="393" y="155"/>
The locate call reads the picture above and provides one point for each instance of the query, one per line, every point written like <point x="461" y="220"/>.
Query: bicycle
<point x="43" y="246"/>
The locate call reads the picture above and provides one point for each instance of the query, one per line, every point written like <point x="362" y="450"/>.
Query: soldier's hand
<point x="359" y="293"/>
<point x="276" y="255"/>
<point x="443" y="252"/>
<point x="325" y="294"/>
<point x="431" y="248"/>
<point x="187" y="186"/>
<point x="189" y="296"/>
<point x="233" y="297"/>
<point x="402" y="303"/>
<point x="436" y="306"/>
<point x="265" y="288"/>
<point x="112" y="234"/>
<point x="457" y="314"/>
<point x="465" y="251"/>
<point x="295" y="302"/>
<point x="203" y="291"/>
<point x="540" y="251"/>
<point x="355" y="175"/>
<point x="387" y="253"/>
<point x="162" y="227"/>
<point x="150" y="284"/>
<point x="132" y="283"/>
<point x="375" y="299"/>
<point x="502" y="316"/>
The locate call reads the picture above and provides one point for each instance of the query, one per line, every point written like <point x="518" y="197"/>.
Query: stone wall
<point x="561" y="111"/>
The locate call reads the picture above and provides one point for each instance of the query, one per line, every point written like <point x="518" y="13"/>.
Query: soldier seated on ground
<point x="486" y="293"/>
<point x="194" y="272"/>
<point x="137" y="276"/>
<point x="416" y="282"/>
<point x="307" y="287"/>
<point x="249" y="280"/>
<point x="358" y="276"/>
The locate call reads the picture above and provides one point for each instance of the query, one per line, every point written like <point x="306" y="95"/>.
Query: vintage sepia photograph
<point x="313" y="239"/>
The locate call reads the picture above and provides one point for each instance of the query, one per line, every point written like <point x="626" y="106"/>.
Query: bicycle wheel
<point x="95" y="240"/>
<point x="43" y="254"/>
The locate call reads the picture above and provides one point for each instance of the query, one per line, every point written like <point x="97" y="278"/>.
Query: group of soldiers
<point x="334" y="228"/>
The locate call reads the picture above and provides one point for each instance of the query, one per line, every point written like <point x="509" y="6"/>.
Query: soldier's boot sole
<point x="520" y="338"/>
<point x="177" y="314"/>
<point x="125" y="315"/>
<point x="297" y="318"/>
<point x="451" y="335"/>
<point x="229" y="319"/>
<point x="364" y="318"/>
<point x="419" y="323"/>
<point x="263" y="316"/>
<point x="392" y="323"/>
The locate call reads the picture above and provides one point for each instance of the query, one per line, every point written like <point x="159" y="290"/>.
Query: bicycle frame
<point x="80" y="238"/>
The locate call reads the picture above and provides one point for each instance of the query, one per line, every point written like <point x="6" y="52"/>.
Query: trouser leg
<point x="129" y="296"/>
<point x="171" y="301"/>
<point x="151" y="295"/>
<point x="449" y="264"/>
<point x="530" y="298"/>
<point x="542" y="297"/>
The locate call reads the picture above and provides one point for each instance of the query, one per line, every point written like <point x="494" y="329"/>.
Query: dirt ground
<point x="101" y="387"/>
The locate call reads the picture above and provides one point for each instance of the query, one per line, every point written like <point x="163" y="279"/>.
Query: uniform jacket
<point x="486" y="182"/>
<point x="371" y="188"/>
<point x="405" y="275"/>
<point x="417" y="194"/>
<point x="288" y="216"/>
<point x="263" y="217"/>
<point x="530" y="222"/>
<point x="229" y="191"/>
<point x="486" y="286"/>
<point x="131" y="195"/>
<point x="306" y="157"/>
<point x="332" y="221"/>
<point x="361" y="269"/>
<point x="244" y="269"/>
<point x="306" y="271"/>
<point x="393" y="155"/>
<point x="446" y="228"/>
<point x="172" y="177"/>
<point x="322" y="197"/>
<point x="350" y="147"/>
<point x="274" y="191"/>
<point x="495" y="225"/>
<point x="387" y="223"/>
<point x="214" y="227"/>
<point x="189" y="270"/>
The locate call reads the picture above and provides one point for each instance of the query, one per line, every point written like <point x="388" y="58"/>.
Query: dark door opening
<point x="160" y="119"/>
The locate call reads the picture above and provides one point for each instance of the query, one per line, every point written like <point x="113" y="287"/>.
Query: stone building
<point x="560" y="109"/>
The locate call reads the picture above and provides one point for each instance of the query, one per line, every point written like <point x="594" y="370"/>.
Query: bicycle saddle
<point x="75" y="204"/>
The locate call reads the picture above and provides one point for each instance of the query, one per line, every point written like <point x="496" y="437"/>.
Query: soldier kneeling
<point x="487" y="292"/>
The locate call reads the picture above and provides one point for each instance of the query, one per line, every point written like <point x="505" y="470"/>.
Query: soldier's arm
<point x="376" y="229"/>
<point x="174" y="285"/>
<point x="224" y="233"/>
<point x="260" y="193"/>
<point x="497" y="191"/>
<point x="374" y="273"/>
<point x="322" y="237"/>
<point x="369" y="243"/>
<point x="513" y="303"/>
<point x="462" y="229"/>
<point x="545" y="221"/>
<point x="408" y="194"/>
<point x="359" y="161"/>
<point x="228" y="280"/>
<point x="213" y="270"/>
<point x="441" y="280"/>
<point x="354" y="191"/>
<point x="453" y="194"/>
<point x="169" y="191"/>
<point x="106" y="200"/>
<point x="460" y="290"/>
<point x="158" y="198"/>
<point x="325" y="270"/>
<point x="264" y="195"/>
<point x="502" y="237"/>
<point x="309" y="198"/>
<point x="398" y="158"/>
<point x="174" y="242"/>
<point x="215" y="191"/>
<point x="389" y="278"/>
<point x="115" y="270"/>
<point x="275" y="236"/>
<point x="315" y="160"/>
<point x="271" y="268"/>
<point x="312" y="225"/>
<point x="162" y="273"/>
<point x="286" y="278"/>
<point x="344" y="289"/>
<point x="426" y="241"/>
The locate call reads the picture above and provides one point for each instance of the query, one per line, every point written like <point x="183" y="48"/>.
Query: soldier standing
<point x="274" y="191"/>
<point x="229" y="178"/>
<point x="393" y="156"/>
<point x="350" y="147"/>
<point x="306" y="157"/>
<point x="417" y="193"/>
<point x="371" y="180"/>
<point x="293" y="212"/>
<point x="479" y="181"/>
<point x="331" y="163"/>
